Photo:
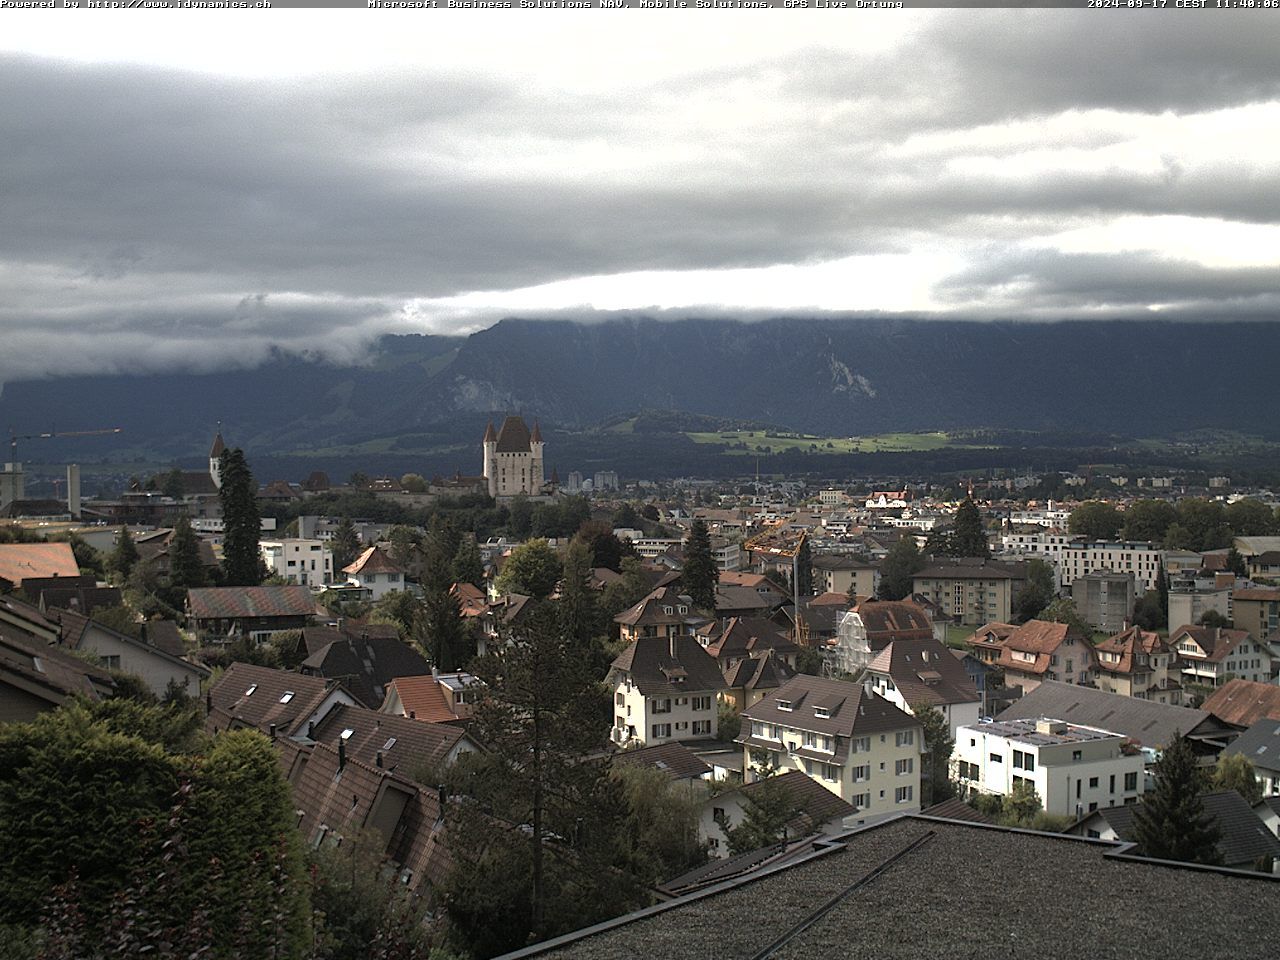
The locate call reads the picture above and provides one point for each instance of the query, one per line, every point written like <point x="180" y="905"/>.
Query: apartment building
<point x="1139" y="558"/>
<point x="1212" y="655"/>
<point x="972" y="591"/>
<point x="1139" y="663"/>
<point x="664" y="688"/>
<point x="842" y="735"/>
<point x="840" y="573"/>
<point x="1105" y="598"/>
<point x="1073" y="769"/>
<point x="1256" y="610"/>
<point x="308" y="563"/>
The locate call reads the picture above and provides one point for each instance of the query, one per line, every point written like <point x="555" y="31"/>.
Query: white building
<point x="664" y="688"/>
<point x="513" y="461"/>
<point x="1073" y="769"/>
<point x="914" y="673"/>
<point x="374" y="571"/>
<point x="1139" y="558"/>
<point x="305" y="562"/>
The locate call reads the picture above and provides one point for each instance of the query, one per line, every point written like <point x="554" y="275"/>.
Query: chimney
<point x="271" y="731"/>
<point x="413" y="715"/>
<point x="208" y="701"/>
<point x="377" y="759"/>
<point x="311" y="730"/>
<point x="342" y="754"/>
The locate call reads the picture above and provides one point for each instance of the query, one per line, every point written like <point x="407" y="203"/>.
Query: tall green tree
<point x="124" y="556"/>
<point x="660" y="830"/>
<point x="627" y="592"/>
<point x="766" y="811"/>
<point x="606" y="549"/>
<point x="1250" y="518"/>
<point x="936" y="784"/>
<point x="185" y="568"/>
<point x="898" y="569"/>
<point x="1204" y="524"/>
<point x="1038" y="592"/>
<point x="804" y="569"/>
<point x="441" y="632"/>
<point x="579" y="611"/>
<point x="1096" y="520"/>
<point x="467" y="565"/>
<point x="700" y="574"/>
<point x="404" y="541"/>
<point x="241" y="558"/>
<point x="536" y="847"/>
<point x="345" y="544"/>
<point x="969" y="536"/>
<point x="1170" y="823"/>
<point x="533" y="569"/>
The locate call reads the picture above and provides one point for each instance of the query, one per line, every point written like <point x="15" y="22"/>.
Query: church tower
<point x="215" y="458"/>
<point x="490" y="448"/>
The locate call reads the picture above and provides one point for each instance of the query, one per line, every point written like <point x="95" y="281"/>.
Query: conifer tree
<point x="185" y="569"/>
<point x="124" y="556"/>
<point x="700" y="573"/>
<point x="467" y="565"/>
<point x="241" y="560"/>
<point x="898" y="569"/>
<point x="1170" y="823"/>
<point x="969" y="538"/>
<point x="345" y="544"/>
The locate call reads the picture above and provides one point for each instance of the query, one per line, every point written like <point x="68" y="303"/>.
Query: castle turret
<point x="490" y="448"/>
<point x="536" y="474"/>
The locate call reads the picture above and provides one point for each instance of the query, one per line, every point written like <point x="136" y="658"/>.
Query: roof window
<point x="346" y="734"/>
<point x="823" y="712"/>
<point x="288" y="695"/>
<point x="391" y="742"/>
<point x="784" y="705"/>
<point x="252" y="687"/>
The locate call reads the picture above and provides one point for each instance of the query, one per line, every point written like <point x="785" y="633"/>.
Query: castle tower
<point x="490" y="448"/>
<point x="215" y="458"/>
<point x="537" y="478"/>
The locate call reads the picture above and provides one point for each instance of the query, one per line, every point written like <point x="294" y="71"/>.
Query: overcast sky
<point x="191" y="188"/>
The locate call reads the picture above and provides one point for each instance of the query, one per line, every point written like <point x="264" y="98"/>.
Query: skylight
<point x="391" y="742"/>
<point x="288" y="695"/>
<point x="346" y="734"/>
<point x="252" y="687"/>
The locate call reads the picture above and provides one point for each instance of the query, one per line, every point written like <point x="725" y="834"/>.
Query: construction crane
<point x="14" y="437"/>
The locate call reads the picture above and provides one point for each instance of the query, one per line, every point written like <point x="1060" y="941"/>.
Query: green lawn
<point x="780" y="442"/>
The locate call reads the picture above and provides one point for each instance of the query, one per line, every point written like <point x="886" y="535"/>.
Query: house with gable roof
<point x="1139" y="663"/>
<point x="1212" y="655"/>
<point x="376" y="572"/>
<point x="663" y="613"/>
<point x="277" y="702"/>
<point x="853" y="742"/>
<point x="869" y="626"/>
<point x="910" y="673"/>
<point x="664" y="688"/>
<point x="1040" y="650"/>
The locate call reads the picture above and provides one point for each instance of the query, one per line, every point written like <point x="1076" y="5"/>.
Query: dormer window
<point x="683" y="609"/>
<point x="667" y="610"/>
<point x="822" y="712"/>
<point x="784" y="705"/>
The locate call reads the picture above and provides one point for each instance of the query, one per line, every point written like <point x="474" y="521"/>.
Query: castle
<point x="513" y="459"/>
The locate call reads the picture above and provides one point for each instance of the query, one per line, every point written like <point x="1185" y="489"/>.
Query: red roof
<point x="373" y="560"/>
<point x="1242" y="703"/>
<point x="423" y="698"/>
<point x="18" y="561"/>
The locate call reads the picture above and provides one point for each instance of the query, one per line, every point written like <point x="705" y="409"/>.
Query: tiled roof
<point x="924" y="671"/>
<point x="893" y="620"/>
<point x="675" y="760"/>
<point x="1042" y="638"/>
<point x="971" y="569"/>
<point x="248" y="695"/>
<point x="1146" y="722"/>
<point x="652" y="610"/>
<point x="761" y="672"/>
<point x="513" y="436"/>
<point x="165" y="635"/>
<point x="365" y="666"/>
<point x="854" y="711"/>
<point x="657" y="673"/>
<point x="235" y="603"/>
<point x="833" y="561"/>
<point x="1216" y="642"/>
<point x="1129" y="644"/>
<point x="1260" y="745"/>
<point x="373" y="560"/>
<point x="75" y="627"/>
<point x="827" y="600"/>
<point x="742" y="636"/>
<point x="814" y="804"/>
<point x="18" y="561"/>
<point x="1242" y="703"/>
<point x="423" y="697"/>
<point x="407" y="746"/>
<point x="956" y="809"/>
<point x="740" y="598"/>
<point x="1244" y="838"/>
<point x="46" y="672"/>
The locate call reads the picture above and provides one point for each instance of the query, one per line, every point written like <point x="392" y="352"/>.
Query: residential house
<point x="1260" y="745"/>
<point x="973" y="591"/>
<point x="840" y="573"/>
<point x="1242" y="703"/>
<point x="1264" y="566"/>
<point x="433" y="697"/>
<point x="1256" y="610"/>
<point x="736" y="638"/>
<point x="856" y="744"/>
<point x="35" y="677"/>
<point x="1212" y="655"/>
<point x="915" y="673"/>
<point x="1041" y="650"/>
<point x="78" y="594"/>
<point x="155" y="547"/>
<point x="1147" y="723"/>
<point x="1244" y="842"/>
<point x="500" y="618"/>
<point x="818" y="618"/>
<point x="219" y="614"/>
<point x="276" y="702"/>
<point x="814" y="809"/>
<point x="393" y="743"/>
<point x="1138" y="663"/>
<point x="741" y="602"/>
<point x="163" y="671"/>
<point x="1105" y="598"/>
<point x="307" y="562"/>
<point x="751" y="678"/>
<point x="988" y="640"/>
<point x="758" y="582"/>
<point x="871" y="625"/>
<point x="1073" y="769"/>
<point x="20" y="561"/>
<point x="664" y="688"/>
<point x="366" y="665"/>
<point x="376" y="572"/>
<point x="1268" y="811"/>
<point x="676" y="761"/>
<point x="663" y="613"/>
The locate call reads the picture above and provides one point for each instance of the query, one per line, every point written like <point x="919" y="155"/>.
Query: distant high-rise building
<point x="605" y="480"/>
<point x="574" y="483"/>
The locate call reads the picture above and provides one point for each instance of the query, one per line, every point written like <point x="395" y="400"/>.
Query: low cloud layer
<point x="981" y="163"/>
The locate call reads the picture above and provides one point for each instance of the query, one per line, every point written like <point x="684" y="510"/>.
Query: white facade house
<point x="664" y="688"/>
<point x="374" y="571"/>
<point x="1073" y="769"/>
<point x="914" y="673"/>
<point x="308" y="563"/>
